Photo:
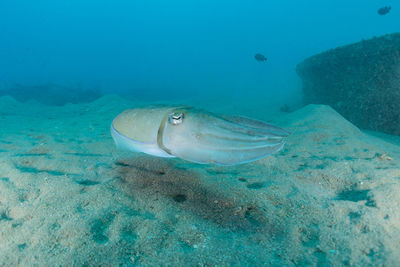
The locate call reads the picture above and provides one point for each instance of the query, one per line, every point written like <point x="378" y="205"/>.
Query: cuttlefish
<point x="196" y="135"/>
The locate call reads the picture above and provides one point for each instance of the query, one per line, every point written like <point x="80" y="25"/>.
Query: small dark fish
<point x="260" y="57"/>
<point x="384" y="10"/>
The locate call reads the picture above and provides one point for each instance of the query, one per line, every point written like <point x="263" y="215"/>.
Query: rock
<point x="51" y="94"/>
<point x="361" y="81"/>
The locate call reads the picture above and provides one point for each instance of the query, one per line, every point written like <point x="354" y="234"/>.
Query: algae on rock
<point x="361" y="81"/>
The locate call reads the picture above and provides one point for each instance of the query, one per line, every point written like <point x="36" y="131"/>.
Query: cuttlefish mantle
<point x="196" y="135"/>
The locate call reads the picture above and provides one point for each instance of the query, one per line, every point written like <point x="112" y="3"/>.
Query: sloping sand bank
<point x="68" y="197"/>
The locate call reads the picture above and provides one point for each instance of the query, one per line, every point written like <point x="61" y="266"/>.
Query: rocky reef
<point x="51" y="94"/>
<point x="361" y="81"/>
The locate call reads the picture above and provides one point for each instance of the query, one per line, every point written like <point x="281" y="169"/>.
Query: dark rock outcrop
<point x="52" y="94"/>
<point x="361" y="81"/>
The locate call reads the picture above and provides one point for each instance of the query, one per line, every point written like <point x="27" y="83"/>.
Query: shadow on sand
<point x="158" y="181"/>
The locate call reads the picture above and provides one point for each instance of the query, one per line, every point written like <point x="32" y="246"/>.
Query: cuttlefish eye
<point x="176" y="118"/>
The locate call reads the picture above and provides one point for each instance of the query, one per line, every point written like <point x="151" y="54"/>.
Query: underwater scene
<point x="199" y="133"/>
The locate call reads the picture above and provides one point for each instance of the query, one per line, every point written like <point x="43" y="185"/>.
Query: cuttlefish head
<point x="196" y="135"/>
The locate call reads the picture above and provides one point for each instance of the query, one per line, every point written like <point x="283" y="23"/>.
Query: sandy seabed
<point x="68" y="197"/>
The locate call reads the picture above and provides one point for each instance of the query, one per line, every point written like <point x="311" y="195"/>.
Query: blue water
<point x="163" y="48"/>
